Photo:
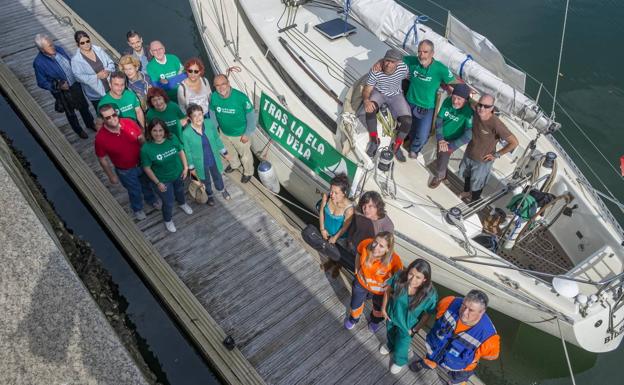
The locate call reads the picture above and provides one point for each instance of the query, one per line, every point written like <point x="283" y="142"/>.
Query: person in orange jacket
<point x="375" y="263"/>
<point x="460" y="337"/>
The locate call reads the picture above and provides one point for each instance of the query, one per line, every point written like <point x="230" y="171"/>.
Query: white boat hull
<point x="521" y="303"/>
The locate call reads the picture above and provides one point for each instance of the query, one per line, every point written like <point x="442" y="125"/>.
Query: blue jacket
<point x="47" y="70"/>
<point x="456" y="351"/>
<point x="91" y="85"/>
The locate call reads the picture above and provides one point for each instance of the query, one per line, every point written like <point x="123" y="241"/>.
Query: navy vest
<point x="456" y="351"/>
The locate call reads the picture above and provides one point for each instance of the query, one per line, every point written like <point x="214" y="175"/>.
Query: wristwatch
<point x="496" y="154"/>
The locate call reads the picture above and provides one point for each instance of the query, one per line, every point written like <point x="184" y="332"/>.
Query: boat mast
<point x="558" y="74"/>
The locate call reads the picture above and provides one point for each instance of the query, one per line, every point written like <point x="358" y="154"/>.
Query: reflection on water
<point x="176" y="360"/>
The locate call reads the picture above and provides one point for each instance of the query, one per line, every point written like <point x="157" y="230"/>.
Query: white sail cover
<point x="390" y="22"/>
<point x="484" y="52"/>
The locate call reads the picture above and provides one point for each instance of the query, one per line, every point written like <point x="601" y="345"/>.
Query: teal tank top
<point x="333" y="223"/>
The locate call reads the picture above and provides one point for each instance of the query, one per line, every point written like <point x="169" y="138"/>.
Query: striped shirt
<point x="389" y="85"/>
<point x="66" y="67"/>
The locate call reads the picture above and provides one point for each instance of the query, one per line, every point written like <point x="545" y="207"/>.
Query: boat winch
<point x="386" y="159"/>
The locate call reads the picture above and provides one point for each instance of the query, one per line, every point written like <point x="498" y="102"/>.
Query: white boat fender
<point x="268" y="177"/>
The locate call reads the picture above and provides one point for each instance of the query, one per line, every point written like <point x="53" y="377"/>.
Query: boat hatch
<point x="336" y="28"/>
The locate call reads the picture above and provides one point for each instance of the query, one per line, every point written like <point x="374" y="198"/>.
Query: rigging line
<point x="227" y="18"/>
<point x="437" y="5"/>
<point x="417" y="11"/>
<point x="332" y="70"/>
<point x="587" y="164"/>
<point x="557" y="75"/>
<point x="315" y="215"/>
<point x="320" y="4"/>
<point x="218" y="19"/>
<point x="223" y="22"/>
<point x="441" y="230"/>
<point x="306" y="41"/>
<point x="578" y="127"/>
<point x="281" y="16"/>
<point x="565" y="112"/>
<point x="565" y="351"/>
<point x="349" y="70"/>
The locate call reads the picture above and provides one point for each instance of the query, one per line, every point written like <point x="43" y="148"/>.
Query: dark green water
<point x="529" y="33"/>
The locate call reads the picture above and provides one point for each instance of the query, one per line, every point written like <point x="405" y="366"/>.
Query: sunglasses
<point x="193" y="71"/>
<point x="84" y="42"/>
<point x="486" y="106"/>
<point x="375" y="244"/>
<point x="109" y="117"/>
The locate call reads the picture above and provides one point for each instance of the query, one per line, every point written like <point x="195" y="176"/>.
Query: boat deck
<point x="243" y="260"/>
<point x="539" y="252"/>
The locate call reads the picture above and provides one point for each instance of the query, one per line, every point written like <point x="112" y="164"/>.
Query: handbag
<point x="197" y="191"/>
<point x="312" y="236"/>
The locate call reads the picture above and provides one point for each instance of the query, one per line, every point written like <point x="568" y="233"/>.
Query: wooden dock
<point x="239" y="268"/>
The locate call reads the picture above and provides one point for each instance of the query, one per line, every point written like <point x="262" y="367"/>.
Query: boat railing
<point x="603" y="210"/>
<point x="439" y="22"/>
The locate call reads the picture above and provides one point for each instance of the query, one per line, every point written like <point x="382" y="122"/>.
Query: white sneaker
<point x="396" y="369"/>
<point x="170" y="227"/>
<point x="187" y="209"/>
<point x="139" y="215"/>
<point x="383" y="349"/>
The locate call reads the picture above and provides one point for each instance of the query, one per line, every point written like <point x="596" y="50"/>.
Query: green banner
<point x="302" y="142"/>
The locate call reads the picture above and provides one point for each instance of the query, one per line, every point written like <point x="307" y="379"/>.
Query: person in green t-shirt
<point x="169" y="112"/>
<point x="426" y="76"/>
<point x="233" y="113"/>
<point x="126" y="103"/>
<point x="453" y="129"/>
<point x="165" y="70"/>
<point x="407" y="305"/>
<point x="164" y="162"/>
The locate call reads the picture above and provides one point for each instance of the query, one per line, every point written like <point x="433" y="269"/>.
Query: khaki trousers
<point x="239" y="153"/>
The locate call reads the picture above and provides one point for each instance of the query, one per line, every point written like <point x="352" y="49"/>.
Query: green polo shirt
<point x="124" y="106"/>
<point x="231" y="112"/>
<point x="425" y="81"/>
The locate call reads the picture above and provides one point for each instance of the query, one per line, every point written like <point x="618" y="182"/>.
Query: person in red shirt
<point x="460" y="337"/>
<point x="120" y="140"/>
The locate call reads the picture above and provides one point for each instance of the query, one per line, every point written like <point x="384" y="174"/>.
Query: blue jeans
<point x="421" y="126"/>
<point x="217" y="179"/>
<point x="138" y="185"/>
<point x="359" y="295"/>
<point x="175" y="190"/>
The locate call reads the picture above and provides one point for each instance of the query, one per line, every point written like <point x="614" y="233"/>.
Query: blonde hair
<point x="129" y="59"/>
<point x="389" y="237"/>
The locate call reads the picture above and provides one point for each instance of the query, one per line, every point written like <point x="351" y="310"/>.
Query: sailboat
<point x="303" y="63"/>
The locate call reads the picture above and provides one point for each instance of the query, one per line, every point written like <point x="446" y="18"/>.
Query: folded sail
<point x="483" y="52"/>
<point x="392" y="23"/>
